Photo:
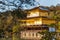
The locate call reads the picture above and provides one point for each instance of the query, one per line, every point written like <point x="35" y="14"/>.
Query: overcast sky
<point x="49" y="2"/>
<point x="27" y="6"/>
<point x="41" y="3"/>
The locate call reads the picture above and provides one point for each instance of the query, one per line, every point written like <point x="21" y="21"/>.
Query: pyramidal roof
<point x="40" y="7"/>
<point x="43" y="8"/>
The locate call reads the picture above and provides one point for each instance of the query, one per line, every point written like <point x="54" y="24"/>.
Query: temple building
<point x="37" y="20"/>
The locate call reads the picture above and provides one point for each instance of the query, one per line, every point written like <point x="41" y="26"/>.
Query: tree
<point x="47" y="35"/>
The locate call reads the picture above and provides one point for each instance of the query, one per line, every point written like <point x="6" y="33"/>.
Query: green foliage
<point x="52" y="25"/>
<point x="19" y="13"/>
<point x="47" y="35"/>
<point x="9" y="21"/>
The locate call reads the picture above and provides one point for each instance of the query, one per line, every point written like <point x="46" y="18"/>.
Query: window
<point x="33" y="34"/>
<point x="36" y="34"/>
<point x="59" y="34"/>
<point x="38" y="22"/>
<point x="29" y="34"/>
<point x="25" y="34"/>
<point x="33" y="14"/>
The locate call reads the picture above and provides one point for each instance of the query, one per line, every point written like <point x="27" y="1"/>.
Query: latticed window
<point x="24" y="34"/>
<point x="33" y="34"/>
<point x="36" y="34"/>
